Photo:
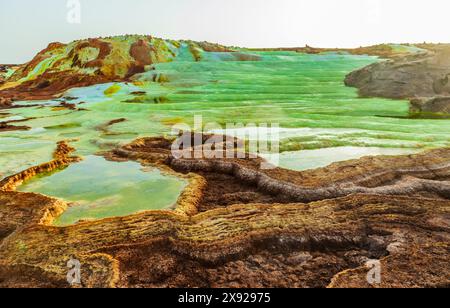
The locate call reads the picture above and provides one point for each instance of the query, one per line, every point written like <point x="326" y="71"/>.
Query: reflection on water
<point x="312" y="159"/>
<point x="100" y="189"/>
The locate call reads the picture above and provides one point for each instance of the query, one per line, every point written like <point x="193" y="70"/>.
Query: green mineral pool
<point x="97" y="188"/>
<point x="321" y="121"/>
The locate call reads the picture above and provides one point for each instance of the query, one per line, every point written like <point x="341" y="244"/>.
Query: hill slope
<point x="87" y="62"/>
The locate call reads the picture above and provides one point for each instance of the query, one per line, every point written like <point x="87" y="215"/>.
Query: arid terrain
<point x="234" y="224"/>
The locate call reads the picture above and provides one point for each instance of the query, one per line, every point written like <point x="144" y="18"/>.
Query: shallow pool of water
<point x="312" y="159"/>
<point x="97" y="189"/>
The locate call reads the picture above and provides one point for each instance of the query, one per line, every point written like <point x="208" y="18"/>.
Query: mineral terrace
<point x="234" y="224"/>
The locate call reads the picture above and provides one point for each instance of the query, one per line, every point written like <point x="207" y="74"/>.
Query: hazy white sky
<point x="28" y="26"/>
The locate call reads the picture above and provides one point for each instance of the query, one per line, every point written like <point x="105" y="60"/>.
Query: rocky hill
<point x="92" y="61"/>
<point x="422" y="77"/>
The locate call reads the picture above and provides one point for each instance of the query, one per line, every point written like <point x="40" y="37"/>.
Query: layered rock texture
<point x="237" y="225"/>
<point x="422" y="77"/>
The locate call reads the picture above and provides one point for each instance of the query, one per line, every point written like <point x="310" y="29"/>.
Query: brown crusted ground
<point x="234" y="230"/>
<point x="6" y="125"/>
<point x="425" y="174"/>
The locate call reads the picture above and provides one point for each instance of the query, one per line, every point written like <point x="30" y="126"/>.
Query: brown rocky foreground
<point x="237" y="225"/>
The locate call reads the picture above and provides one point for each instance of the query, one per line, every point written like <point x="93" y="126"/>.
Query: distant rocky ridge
<point x="386" y="51"/>
<point x="423" y="78"/>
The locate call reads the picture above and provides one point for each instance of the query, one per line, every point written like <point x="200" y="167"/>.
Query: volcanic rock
<point x="423" y="78"/>
<point x="433" y="105"/>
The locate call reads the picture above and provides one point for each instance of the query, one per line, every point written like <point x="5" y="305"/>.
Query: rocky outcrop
<point x="423" y="78"/>
<point x="5" y="103"/>
<point x="241" y="226"/>
<point x="50" y="86"/>
<point x="433" y="105"/>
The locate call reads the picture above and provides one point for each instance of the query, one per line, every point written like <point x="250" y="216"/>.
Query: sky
<point x="26" y="27"/>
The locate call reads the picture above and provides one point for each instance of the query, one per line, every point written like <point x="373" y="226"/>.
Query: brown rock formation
<point x="141" y="52"/>
<point x="392" y="209"/>
<point x="423" y="78"/>
<point x="25" y="69"/>
<point x="5" y="103"/>
<point x="433" y="105"/>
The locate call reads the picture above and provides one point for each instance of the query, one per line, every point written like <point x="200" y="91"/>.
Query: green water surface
<point x="322" y="121"/>
<point x="99" y="189"/>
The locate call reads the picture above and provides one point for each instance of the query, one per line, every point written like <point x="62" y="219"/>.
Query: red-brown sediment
<point x="104" y="50"/>
<point x="141" y="52"/>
